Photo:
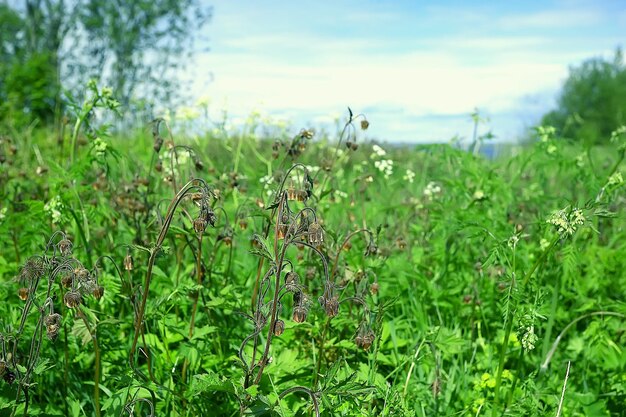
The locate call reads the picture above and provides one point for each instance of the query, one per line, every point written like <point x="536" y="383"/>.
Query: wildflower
<point x="374" y="288"/>
<point x="431" y="190"/>
<point x="478" y="195"/>
<point x="53" y="208"/>
<point x="73" y="299"/>
<point x="291" y="281"/>
<point x="364" y="338"/>
<point x="377" y="152"/>
<point x="529" y="339"/>
<point x="385" y="166"/>
<point x="567" y="223"/>
<point x="65" y="247"/>
<point x="364" y="124"/>
<point x="331" y="306"/>
<point x="128" y="262"/>
<point x="409" y="176"/>
<point x="315" y="234"/>
<point x="53" y="324"/>
<point x="23" y="293"/>
<point x="279" y="327"/>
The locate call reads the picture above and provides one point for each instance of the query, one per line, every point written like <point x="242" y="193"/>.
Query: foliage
<point x="593" y="100"/>
<point x="434" y="282"/>
<point x="133" y="47"/>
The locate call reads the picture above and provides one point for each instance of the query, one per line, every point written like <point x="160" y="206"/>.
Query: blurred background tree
<point x="592" y="102"/>
<point x="135" y="47"/>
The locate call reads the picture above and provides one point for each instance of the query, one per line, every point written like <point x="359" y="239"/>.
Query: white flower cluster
<point x="567" y="222"/>
<point x="431" y="190"/>
<point x="545" y="133"/>
<point x="409" y="176"/>
<point x="529" y="339"/>
<point x="377" y="151"/>
<point x="385" y="166"/>
<point x="99" y="146"/>
<point x="53" y="208"/>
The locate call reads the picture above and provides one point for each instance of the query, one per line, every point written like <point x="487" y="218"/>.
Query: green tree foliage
<point x="49" y="46"/>
<point x="593" y="100"/>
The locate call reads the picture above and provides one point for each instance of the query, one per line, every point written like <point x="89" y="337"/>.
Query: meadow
<point x="293" y="273"/>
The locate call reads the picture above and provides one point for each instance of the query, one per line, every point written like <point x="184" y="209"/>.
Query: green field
<point x="165" y="274"/>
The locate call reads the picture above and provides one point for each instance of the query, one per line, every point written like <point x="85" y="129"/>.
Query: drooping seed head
<point x="331" y="306"/>
<point x="291" y="281"/>
<point x="23" y="293"/>
<point x="299" y="314"/>
<point x="315" y="234"/>
<point x="199" y="225"/>
<point x="72" y="299"/>
<point x="65" y="247"/>
<point x="128" y="262"/>
<point x="279" y="327"/>
<point x="158" y="143"/>
<point x="53" y="324"/>
<point x="364" y="124"/>
<point x="98" y="292"/>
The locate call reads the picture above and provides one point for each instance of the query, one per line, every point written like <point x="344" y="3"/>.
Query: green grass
<point x="476" y="303"/>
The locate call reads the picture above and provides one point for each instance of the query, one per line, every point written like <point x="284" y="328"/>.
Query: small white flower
<point x="567" y="223"/>
<point x="431" y="190"/>
<point x="378" y="151"/>
<point x="479" y="195"/>
<point x="529" y="339"/>
<point x="409" y="176"/>
<point x="53" y="208"/>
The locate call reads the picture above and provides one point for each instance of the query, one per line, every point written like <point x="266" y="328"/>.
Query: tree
<point x="132" y="46"/>
<point x="592" y="102"/>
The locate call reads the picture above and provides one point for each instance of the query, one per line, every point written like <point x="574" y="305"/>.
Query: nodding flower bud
<point x="243" y="224"/>
<point x="331" y="306"/>
<point x="300" y="307"/>
<point x="67" y="280"/>
<point x="53" y="324"/>
<point x="299" y="314"/>
<point x="198" y="164"/>
<point x="23" y="293"/>
<point x="65" y="247"/>
<point x="279" y="327"/>
<point x="301" y="195"/>
<point x="158" y="143"/>
<point x="72" y="299"/>
<point x="291" y="281"/>
<point x="291" y="193"/>
<point x="315" y="234"/>
<point x="374" y="288"/>
<point x="371" y="249"/>
<point x="226" y="236"/>
<point x="199" y="225"/>
<point x="401" y="243"/>
<point x="128" y="262"/>
<point x="158" y="166"/>
<point x="98" y="292"/>
<point x="365" y="124"/>
<point x="364" y="339"/>
<point x="9" y="377"/>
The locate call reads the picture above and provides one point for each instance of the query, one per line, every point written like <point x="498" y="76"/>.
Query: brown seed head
<point x="315" y="234"/>
<point x="365" y="124"/>
<point x="72" y="299"/>
<point x="98" y="292"/>
<point x="279" y="327"/>
<point x="23" y="293"/>
<point x="331" y="306"/>
<point x="299" y="314"/>
<point x="65" y="247"/>
<point x="128" y="262"/>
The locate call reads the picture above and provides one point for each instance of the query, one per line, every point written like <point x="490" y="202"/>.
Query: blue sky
<point x="417" y="69"/>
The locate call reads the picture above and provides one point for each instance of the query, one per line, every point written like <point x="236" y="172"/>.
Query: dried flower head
<point x="98" y="292"/>
<point x="364" y="338"/>
<point x="331" y="306"/>
<point x="315" y="234"/>
<point x="23" y="293"/>
<point x="72" y="299"/>
<point x="53" y="324"/>
<point x="291" y="281"/>
<point x="65" y="247"/>
<point x="128" y="262"/>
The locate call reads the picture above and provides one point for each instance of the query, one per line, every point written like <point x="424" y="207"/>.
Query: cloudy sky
<point x="417" y="69"/>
